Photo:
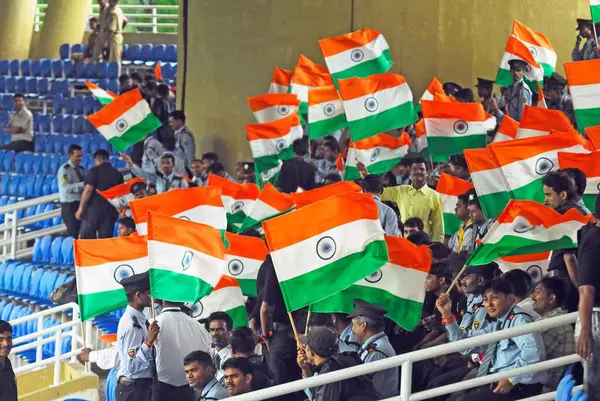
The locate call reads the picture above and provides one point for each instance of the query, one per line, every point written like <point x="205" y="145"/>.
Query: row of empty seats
<point x="47" y="68"/>
<point x="28" y="185"/>
<point x="59" y="123"/>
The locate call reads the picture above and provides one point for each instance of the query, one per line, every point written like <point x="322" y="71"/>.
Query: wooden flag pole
<point x="307" y="323"/>
<point x="294" y="327"/>
<point x="356" y="160"/>
<point x="83" y="340"/>
<point x="153" y="309"/>
<point x="460" y="273"/>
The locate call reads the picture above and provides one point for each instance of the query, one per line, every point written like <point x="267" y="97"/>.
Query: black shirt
<point x="588" y="256"/>
<point x="8" y="382"/>
<point x="271" y="293"/>
<point x="296" y="173"/>
<point x="557" y="260"/>
<point x="102" y="177"/>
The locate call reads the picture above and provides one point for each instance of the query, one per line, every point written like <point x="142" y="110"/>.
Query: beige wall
<point x="16" y="27"/>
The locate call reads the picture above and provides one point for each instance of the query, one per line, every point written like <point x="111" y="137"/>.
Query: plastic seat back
<point x="32" y="86"/>
<point x="132" y="53"/>
<point x="26" y="68"/>
<point x="36" y="68"/>
<point x="146" y="53"/>
<point x="4" y="67"/>
<point x="113" y="71"/>
<point x="7" y="311"/>
<point x="69" y="68"/>
<point x="7" y="160"/>
<point x="14" y="67"/>
<point x="13" y="185"/>
<point x="77" y="48"/>
<point x="64" y="51"/>
<point x="26" y="279"/>
<point x="21" y="85"/>
<point x="158" y="53"/>
<point x="45" y="68"/>
<point x="8" y="274"/>
<point x="36" y="279"/>
<point x="67" y="251"/>
<point x="171" y="54"/>
<point x="17" y="277"/>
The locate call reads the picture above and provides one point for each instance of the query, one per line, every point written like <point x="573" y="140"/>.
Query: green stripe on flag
<point x="99" y="303"/>
<point x="533" y="191"/>
<point x="590" y="201"/>
<point x="595" y="10"/>
<point x="587" y="118"/>
<point x="136" y="133"/>
<point x="396" y="117"/>
<point x="451" y="223"/>
<point x="382" y="167"/>
<point x="493" y="204"/>
<point x="441" y="148"/>
<point x="165" y="284"/>
<point x="548" y="69"/>
<point x="248" y="286"/>
<point x="239" y="315"/>
<point x="322" y="128"/>
<point x="503" y="78"/>
<point x="376" y="66"/>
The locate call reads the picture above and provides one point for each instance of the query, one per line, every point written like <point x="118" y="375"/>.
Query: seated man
<point x="20" y="125"/>
<point x="238" y="376"/>
<point x="126" y="227"/>
<point x="200" y="374"/>
<point x="413" y="225"/>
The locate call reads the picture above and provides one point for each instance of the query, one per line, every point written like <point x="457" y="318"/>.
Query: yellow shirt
<point x="423" y="203"/>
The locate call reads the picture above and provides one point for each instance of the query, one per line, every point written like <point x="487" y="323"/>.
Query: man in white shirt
<point x="220" y="326"/>
<point x="20" y="125"/>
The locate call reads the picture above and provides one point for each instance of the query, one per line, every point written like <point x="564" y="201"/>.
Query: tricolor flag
<point x="595" y="10"/>
<point x="225" y="297"/>
<point x="126" y="120"/>
<point x="280" y="83"/>
<point x="302" y="199"/>
<point x="272" y="107"/>
<point x="507" y="131"/>
<point x="584" y="85"/>
<point x="327" y="251"/>
<point x="198" y="204"/>
<point x="399" y="286"/>
<point x="590" y="165"/>
<point x="102" y="96"/>
<point x="356" y="54"/>
<point x="593" y="133"/>
<point x="308" y="75"/>
<point x="535" y="264"/>
<point x="100" y="265"/>
<point x="378" y="153"/>
<point x="537" y="121"/>
<point x="420" y="143"/>
<point x="325" y="112"/>
<point x="268" y="175"/>
<point x="376" y="104"/>
<point x="186" y="259"/>
<point x="243" y="256"/>
<point x="453" y="127"/>
<point x="538" y="44"/>
<point x="517" y="50"/>
<point x="270" y="203"/>
<point x="120" y="195"/>
<point x="450" y="188"/>
<point x="238" y="199"/>
<point x="435" y="86"/>
<point x="526" y="227"/>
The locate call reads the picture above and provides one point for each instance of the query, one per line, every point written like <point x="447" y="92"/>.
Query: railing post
<point x="38" y="350"/>
<point x="13" y="233"/>
<point x="57" y="354"/>
<point x="154" y="20"/>
<point x="405" y="381"/>
<point x="76" y="330"/>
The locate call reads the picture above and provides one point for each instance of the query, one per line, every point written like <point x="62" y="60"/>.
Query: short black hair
<point x="151" y="85"/>
<point x="419" y="238"/>
<point x="557" y="287"/>
<point x="101" y="154"/>
<point x="332" y="145"/>
<point x="417" y="160"/>
<point x="127" y="222"/>
<point x="178" y="115"/>
<point x="5" y="327"/>
<point x="73" y="148"/>
<point x="150" y="76"/>
<point x="242" y="364"/>
<point x="210" y="156"/>
<point x="216" y="167"/>
<point x="300" y="146"/>
<point x="414" y="222"/>
<point x="123" y="78"/>
<point x="242" y="340"/>
<point x="372" y="184"/>
<point x="93" y="19"/>
<point x="464" y="198"/>
<point x="333" y="177"/>
<point x="203" y="358"/>
<point x="168" y="155"/>
<point x="18" y="95"/>
<point x="473" y="199"/>
<point x="441" y="269"/>
<point x="458" y="160"/>
<point x="163" y="90"/>
<point x="221" y="316"/>
<point x="137" y="76"/>
<point x="521" y="282"/>
<point x="499" y="285"/>
<point x="559" y="182"/>
<point x="439" y="251"/>
<point x="578" y="178"/>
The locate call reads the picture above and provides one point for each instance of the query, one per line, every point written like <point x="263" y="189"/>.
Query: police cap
<point x="362" y="308"/>
<point x="321" y="340"/>
<point x="582" y="22"/>
<point x="137" y="282"/>
<point x="484" y="83"/>
<point x="518" y="65"/>
<point x="465" y="95"/>
<point x="555" y="81"/>
<point x="487" y="269"/>
<point x="451" y="88"/>
<point x="138" y="186"/>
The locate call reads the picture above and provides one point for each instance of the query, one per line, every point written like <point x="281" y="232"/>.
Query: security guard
<point x="485" y="89"/>
<point x="71" y="178"/>
<point x="343" y="326"/>
<point x="115" y="22"/>
<point x="450" y="88"/>
<point x="100" y="41"/>
<point x="164" y="182"/>
<point x="556" y="96"/>
<point x="589" y="50"/>
<point x="185" y="144"/>
<point x="368" y="326"/>
<point x="518" y="95"/>
<point x="153" y="150"/>
<point x="135" y="339"/>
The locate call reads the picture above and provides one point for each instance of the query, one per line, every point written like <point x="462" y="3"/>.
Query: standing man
<point x="8" y="381"/>
<point x="462" y="240"/>
<point x="557" y="97"/>
<point x="297" y="172"/>
<point x="114" y="27"/>
<point x="387" y="217"/>
<point x="589" y="50"/>
<point x="185" y="145"/>
<point x="96" y="214"/>
<point x="71" y="178"/>
<point x="480" y="224"/>
<point x="135" y="339"/>
<point x="326" y="165"/>
<point x="164" y="182"/>
<point x="20" y="126"/>
<point x="200" y="373"/>
<point x="220" y="326"/>
<point x="197" y="173"/>
<point x="485" y="90"/>
<point x="517" y="96"/>
<point x="100" y="42"/>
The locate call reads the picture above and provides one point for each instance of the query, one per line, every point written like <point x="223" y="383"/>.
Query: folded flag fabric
<point x="186" y="259"/>
<point x="238" y="199"/>
<point x="378" y="153"/>
<point x="435" y="86"/>
<point x="538" y="44"/>
<point x="376" y="104"/>
<point x="535" y="264"/>
<point x="270" y="203"/>
<point x="421" y="145"/>
<point x="268" y="175"/>
<point x="158" y="71"/>
<point x="308" y="75"/>
<point x="126" y="120"/>
<point x="399" y="286"/>
<point x="507" y="130"/>
<point x="537" y="121"/>
<point x="453" y="127"/>
<point x="102" y="96"/>
<point x="356" y="54"/>
<point x="198" y="204"/>
<point x="590" y="165"/>
<point x="327" y="251"/>
<point x="225" y="297"/>
<point x="325" y="112"/>
<point x="120" y="195"/>
<point x="450" y="188"/>
<point x="280" y="82"/>
<point x="100" y="265"/>
<point x="517" y="50"/>
<point x="302" y="199"/>
<point x="526" y="227"/>
<point x="243" y="258"/>
<point x="584" y="85"/>
<point x="595" y="10"/>
<point x="272" y="107"/>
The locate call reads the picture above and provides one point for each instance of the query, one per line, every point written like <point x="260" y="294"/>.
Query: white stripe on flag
<point x="343" y="61"/>
<point x="269" y="147"/>
<point x="325" y="110"/>
<point x="210" y="215"/>
<point x="386" y="99"/>
<point x="132" y="117"/>
<point x="585" y="96"/>
<point x="102" y="278"/>
<point x="170" y="257"/>
<point x="392" y="275"/>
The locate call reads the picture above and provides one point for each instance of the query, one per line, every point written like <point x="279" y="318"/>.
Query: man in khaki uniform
<point x="114" y="27"/>
<point x="100" y="41"/>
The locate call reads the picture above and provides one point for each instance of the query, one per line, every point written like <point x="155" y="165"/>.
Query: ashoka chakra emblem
<point x="326" y="248"/>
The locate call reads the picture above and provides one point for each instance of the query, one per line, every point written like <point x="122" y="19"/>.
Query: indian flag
<point x="453" y="127"/>
<point x="271" y="107"/>
<point x="526" y="227"/>
<point x="270" y="203"/>
<point x="102" y="96"/>
<point x="325" y="112"/>
<point x="399" y="286"/>
<point x="535" y="264"/>
<point x="198" y="204"/>
<point x="376" y="104"/>
<point x="450" y="188"/>
<point x="280" y="82"/>
<point x="186" y="259"/>
<point x="126" y="120"/>
<point x="590" y="165"/>
<point x="538" y="44"/>
<point x="243" y="257"/>
<point x="238" y="199"/>
<point x="420" y="144"/>
<point x="584" y="85"/>
<point x="595" y="9"/>
<point x="507" y="131"/>
<point x="489" y="181"/>
<point x="356" y="54"/>
<point x="378" y="153"/>
<point x="100" y="265"/>
<point x="517" y="50"/>
<point x="302" y="199"/>
<point x="225" y="297"/>
<point x="326" y="251"/>
<point x="267" y="175"/>
<point x="120" y="195"/>
<point x="435" y="86"/>
<point x="537" y="121"/>
<point x="308" y="75"/>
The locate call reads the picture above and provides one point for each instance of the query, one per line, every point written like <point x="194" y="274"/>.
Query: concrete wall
<point x="16" y="27"/>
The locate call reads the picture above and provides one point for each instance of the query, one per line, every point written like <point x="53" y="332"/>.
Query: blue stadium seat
<point x="31" y="84"/>
<point x="36" y="279"/>
<point x="113" y="86"/>
<point x="79" y="125"/>
<point x="158" y="54"/>
<point x="55" y="255"/>
<point x="47" y="284"/>
<point x="43" y="86"/>
<point x="113" y="71"/>
<point x="45" y="246"/>
<point x="171" y="54"/>
<point x="21" y="85"/>
<point x="64" y="51"/>
<point x="145" y="55"/>
<point x="78" y="104"/>
<point x="103" y="83"/>
<point x="69" y="68"/>
<point x="45" y="68"/>
<point x="57" y="123"/>
<point x="2" y="83"/>
<point x="17" y="276"/>
<point x="67" y="251"/>
<point x="7" y="278"/>
<point x="4" y="67"/>
<point x="167" y="71"/>
<point x="35" y="165"/>
<point x="44" y="123"/>
<point x="47" y="186"/>
<point x="77" y="48"/>
<point x="88" y="73"/>
<point x="45" y="163"/>
<point x="55" y="162"/>
<point x="89" y="105"/>
<point x="26" y="68"/>
<point x="101" y="70"/>
<point x="53" y="186"/>
<point x="133" y="53"/>
<point x="69" y="105"/>
<point x="67" y="124"/>
<point x="4" y="117"/>
<point x="13" y="185"/>
<point x="4" y="181"/>
<point x="7" y="161"/>
<point x="85" y="143"/>
<point x="37" y="189"/>
<point x="19" y="160"/>
<point x="7" y="311"/>
<point x="36" y="68"/>
<point x="14" y="67"/>
<point x="57" y="68"/>
<point x="60" y="280"/>
<point x="57" y="97"/>
<point x="27" y="183"/>
<point x="80" y="69"/>
<point x="11" y="85"/>
<point x="26" y="280"/>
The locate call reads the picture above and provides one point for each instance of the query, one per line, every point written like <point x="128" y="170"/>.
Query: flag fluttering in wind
<point x="270" y="203"/>
<point x="102" y="96"/>
<point x="244" y="256"/>
<point x="595" y="10"/>
<point x="590" y="165"/>
<point x="450" y="188"/>
<point x="538" y="44"/>
<point x="507" y="130"/>
<point x="280" y="83"/>
<point x="325" y="112"/>
<point x="583" y="78"/>
<point x="535" y="264"/>
<point x="517" y="50"/>
<point x="158" y="71"/>
<point x="308" y="75"/>
<point x="225" y="297"/>
<point x="434" y="87"/>
<point x="378" y="153"/>
<point x="272" y="107"/>
<point x="120" y="195"/>
<point x="421" y="144"/>
<point x="238" y="199"/>
<point x="537" y="121"/>
<point x="302" y="199"/>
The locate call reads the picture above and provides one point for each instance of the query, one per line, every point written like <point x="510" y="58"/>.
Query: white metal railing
<point x="161" y="18"/>
<point x="407" y="360"/>
<point x="14" y="243"/>
<point x="54" y="334"/>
